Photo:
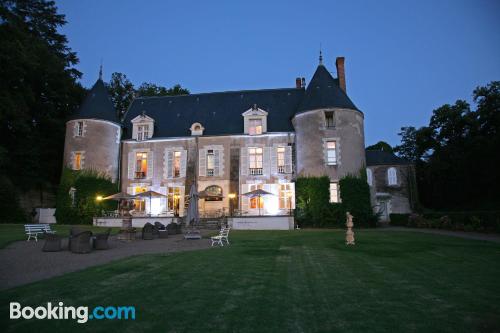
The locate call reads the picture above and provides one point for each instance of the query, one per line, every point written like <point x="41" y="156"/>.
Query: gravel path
<point x="461" y="234"/>
<point x="24" y="262"/>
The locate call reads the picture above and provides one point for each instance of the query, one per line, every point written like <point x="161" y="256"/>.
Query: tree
<point x="151" y="89"/>
<point x="38" y="90"/>
<point x="122" y="92"/>
<point x="456" y="154"/>
<point x="381" y="145"/>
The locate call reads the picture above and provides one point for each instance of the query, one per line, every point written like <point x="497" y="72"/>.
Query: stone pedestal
<point x="127" y="232"/>
<point x="349" y="235"/>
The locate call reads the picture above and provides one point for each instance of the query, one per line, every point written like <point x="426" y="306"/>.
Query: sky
<point x="403" y="58"/>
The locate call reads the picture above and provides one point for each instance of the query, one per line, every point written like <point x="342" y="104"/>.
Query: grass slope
<point x="300" y="281"/>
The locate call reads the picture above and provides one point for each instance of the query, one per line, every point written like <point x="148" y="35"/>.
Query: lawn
<point x="297" y="281"/>
<point x="14" y="232"/>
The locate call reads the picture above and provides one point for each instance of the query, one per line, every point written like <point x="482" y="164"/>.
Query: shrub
<point x="10" y="210"/>
<point x="88" y="184"/>
<point x="399" y="219"/>
<point x="355" y="195"/>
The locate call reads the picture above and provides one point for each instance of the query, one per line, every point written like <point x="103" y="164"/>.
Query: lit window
<point x="369" y="177"/>
<point x="78" y="161"/>
<point x="331" y="153"/>
<point x="141" y="165"/>
<point x="392" y="177"/>
<point x="177" y="163"/>
<point x="142" y="132"/>
<point x="256" y="202"/>
<point x="334" y="192"/>
<point x="139" y="204"/>
<point x="281" y="159"/>
<point x="329" y="119"/>
<point x="173" y="195"/>
<point x="285" y="196"/>
<point x="255" y="126"/>
<point x="210" y="162"/>
<point x="79" y="128"/>
<point x="255" y="161"/>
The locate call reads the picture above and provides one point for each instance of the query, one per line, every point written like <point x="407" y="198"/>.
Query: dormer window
<point x="196" y="129"/>
<point x="255" y="121"/>
<point x="79" y="129"/>
<point x="255" y="126"/>
<point x="142" y="132"/>
<point x="329" y="119"/>
<point x="143" y="127"/>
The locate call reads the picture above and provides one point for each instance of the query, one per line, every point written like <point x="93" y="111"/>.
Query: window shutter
<point x="325" y="152"/>
<point x="244" y="161"/>
<point x="203" y="162"/>
<point x="292" y="188"/>
<point x="181" y="201"/>
<point x="288" y="159"/>
<point x="150" y="165"/>
<point x="244" y="199"/>
<point x="169" y="157"/>
<point x="72" y="161"/>
<point x="84" y="129"/>
<point x="216" y="162"/>
<point x="266" y="161"/>
<point x="131" y="165"/>
<point x="82" y="160"/>
<point x="130" y="190"/>
<point x="75" y="129"/>
<point x="274" y="160"/>
<point x="183" y="162"/>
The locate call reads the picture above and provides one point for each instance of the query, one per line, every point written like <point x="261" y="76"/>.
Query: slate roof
<point x="379" y="157"/>
<point x="219" y="113"/>
<point x="97" y="105"/>
<point x="324" y="91"/>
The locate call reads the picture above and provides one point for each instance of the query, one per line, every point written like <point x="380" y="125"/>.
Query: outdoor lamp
<point x="99" y="198"/>
<point x="232" y="195"/>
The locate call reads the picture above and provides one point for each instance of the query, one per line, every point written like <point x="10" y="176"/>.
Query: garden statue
<point x="126" y="232"/>
<point x="349" y="235"/>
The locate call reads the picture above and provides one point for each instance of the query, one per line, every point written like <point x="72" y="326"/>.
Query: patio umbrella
<point x="192" y="213"/>
<point x="257" y="194"/>
<point x="150" y="195"/>
<point x="119" y="196"/>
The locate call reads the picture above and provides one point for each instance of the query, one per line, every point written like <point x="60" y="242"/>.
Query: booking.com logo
<point x="81" y="314"/>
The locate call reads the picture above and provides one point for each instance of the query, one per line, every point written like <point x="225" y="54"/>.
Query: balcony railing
<point x="210" y="172"/>
<point x="256" y="171"/>
<point x="140" y="175"/>
<point x="281" y="169"/>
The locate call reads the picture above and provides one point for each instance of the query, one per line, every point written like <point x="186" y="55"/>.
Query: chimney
<point x="341" y="72"/>
<point x="303" y="82"/>
<point x="298" y="83"/>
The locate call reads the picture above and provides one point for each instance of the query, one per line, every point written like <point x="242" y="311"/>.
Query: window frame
<point x="329" y="119"/>
<point x="254" y="129"/>
<point x="392" y="176"/>
<point x="141" y="165"/>
<point x="335" y="190"/>
<point x="285" y="195"/>
<point x="331" y="160"/>
<point x="77" y="162"/>
<point x="281" y="159"/>
<point x="176" y="164"/>
<point x="255" y="160"/>
<point x="210" y="161"/>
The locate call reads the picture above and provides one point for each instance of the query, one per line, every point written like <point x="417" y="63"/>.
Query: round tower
<point x="329" y="129"/>
<point x="93" y="134"/>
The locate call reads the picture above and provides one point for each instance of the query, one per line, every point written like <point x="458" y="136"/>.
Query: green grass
<point x="14" y="232"/>
<point x="298" y="281"/>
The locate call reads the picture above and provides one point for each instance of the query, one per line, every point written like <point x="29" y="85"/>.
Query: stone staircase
<point x="209" y="223"/>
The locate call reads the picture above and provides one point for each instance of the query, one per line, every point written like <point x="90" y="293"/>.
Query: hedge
<point x="485" y="221"/>
<point x="399" y="219"/>
<point x="313" y="207"/>
<point x="88" y="184"/>
<point x="10" y="210"/>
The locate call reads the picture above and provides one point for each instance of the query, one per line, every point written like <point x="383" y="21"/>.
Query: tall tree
<point x="122" y="92"/>
<point x="381" y="145"/>
<point x="151" y="89"/>
<point x="38" y="90"/>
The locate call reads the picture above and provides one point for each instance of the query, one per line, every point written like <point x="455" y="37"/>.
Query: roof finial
<point x="320" y="55"/>
<point x="100" y="71"/>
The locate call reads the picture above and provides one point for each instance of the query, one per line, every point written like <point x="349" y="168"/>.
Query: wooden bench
<point x="32" y="230"/>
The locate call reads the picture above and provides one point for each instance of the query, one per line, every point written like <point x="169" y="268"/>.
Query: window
<point x="210" y="162"/>
<point x="142" y="132"/>
<point x="213" y="193"/>
<point x="255" y="161"/>
<point x="141" y="165"/>
<point x="177" y="163"/>
<point x="285" y="196"/>
<point x="392" y="177"/>
<point x="369" y="177"/>
<point x="329" y="119"/>
<point x="256" y="202"/>
<point x="281" y="159"/>
<point x="331" y="153"/>
<point x="78" y="161"/>
<point x="79" y="128"/>
<point x="255" y="126"/>
<point x="334" y="192"/>
<point x="139" y="204"/>
<point x="173" y="199"/>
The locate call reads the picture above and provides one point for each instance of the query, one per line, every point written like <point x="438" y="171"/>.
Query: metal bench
<point x="32" y="230"/>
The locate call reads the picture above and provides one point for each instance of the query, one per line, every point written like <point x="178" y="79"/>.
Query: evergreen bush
<point x="88" y="185"/>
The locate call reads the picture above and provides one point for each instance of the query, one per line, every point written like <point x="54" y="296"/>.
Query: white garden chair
<point x="221" y="238"/>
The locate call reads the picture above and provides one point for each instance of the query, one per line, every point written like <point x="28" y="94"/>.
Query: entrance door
<point x="383" y="210"/>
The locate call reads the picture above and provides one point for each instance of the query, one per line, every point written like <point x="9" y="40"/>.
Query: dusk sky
<point x="403" y="58"/>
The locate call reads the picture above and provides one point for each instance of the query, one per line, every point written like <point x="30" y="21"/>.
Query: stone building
<point x="229" y="142"/>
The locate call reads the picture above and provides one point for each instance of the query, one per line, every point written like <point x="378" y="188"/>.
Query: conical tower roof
<point x="97" y="105"/>
<point x="324" y="92"/>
